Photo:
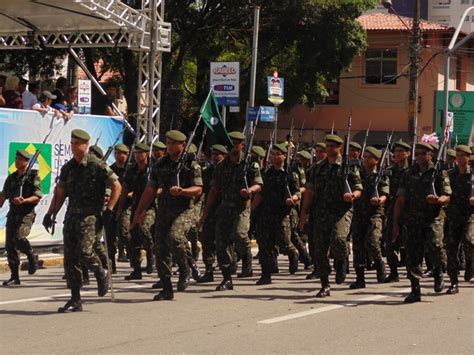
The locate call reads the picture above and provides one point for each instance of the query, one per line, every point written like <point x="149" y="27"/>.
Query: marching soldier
<point x="401" y="154"/>
<point x="332" y="211"/>
<point x="368" y="219"/>
<point x="320" y="151"/>
<point x="208" y="236"/>
<point x="83" y="180"/>
<point x="233" y="216"/>
<point x="174" y="213"/>
<point x="21" y="215"/>
<point x="135" y="181"/>
<point x="279" y="194"/>
<point x="460" y="218"/>
<point x="355" y="151"/>
<point x="158" y="150"/>
<point x="424" y="218"/>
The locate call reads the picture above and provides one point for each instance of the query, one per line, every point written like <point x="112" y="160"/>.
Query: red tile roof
<point x="391" y="22"/>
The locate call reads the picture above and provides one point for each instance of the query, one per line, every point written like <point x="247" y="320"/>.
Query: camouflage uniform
<point x="424" y="222"/>
<point x="233" y="214"/>
<point x="208" y="236"/>
<point x="84" y="184"/>
<point x="459" y="222"/>
<point x="20" y="218"/>
<point x="331" y="215"/>
<point x="174" y="215"/>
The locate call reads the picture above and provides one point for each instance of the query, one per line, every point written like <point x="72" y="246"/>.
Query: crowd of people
<point x="305" y="204"/>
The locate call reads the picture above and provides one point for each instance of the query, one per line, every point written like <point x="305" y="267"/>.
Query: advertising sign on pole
<point x="276" y="89"/>
<point x="84" y="96"/>
<point x="225" y="81"/>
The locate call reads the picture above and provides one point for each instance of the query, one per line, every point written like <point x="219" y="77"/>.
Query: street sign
<point x="267" y="113"/>
<point x="461" y="107"/>
<point x="275" y="89"/>
<point x="225" y="81"/>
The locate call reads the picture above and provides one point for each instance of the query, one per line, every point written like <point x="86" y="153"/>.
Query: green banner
<point x="461" y="104"/>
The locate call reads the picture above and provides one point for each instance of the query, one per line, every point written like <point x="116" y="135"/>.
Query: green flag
<point x="212" y="118"/>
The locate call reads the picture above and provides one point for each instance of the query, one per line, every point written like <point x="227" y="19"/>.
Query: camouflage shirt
<point x="120" y="172"/>
<point x="396" y="174"/>
<point x="163" y="176"/>
<point x="415" y="185"/>
<point x="459" y="207"/>
<point x="228" y="179"/>
<point x="275" y="192"/>
<point x="84" y="184"/>
<point x="363" y="208"/>
<point x="135" y="181"/>
<point x="327" y="182"/>
<point x="31" y="187"/>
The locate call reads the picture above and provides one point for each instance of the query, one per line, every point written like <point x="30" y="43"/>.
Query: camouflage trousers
<point x="80" y="242"/>
<point x="208" y="239"/>
<point x="296" y="238"/>
<point x="459" y="233"/>
<point x="232" y="227"/>
<point x="193" y="234"/>
<point x="391" y="248"/>
<point x="171" y="240"/>
<point x="330" y="234"/>
<point x="366" y="240"/>
<point x="273" y="234"/>
<point x="122" y="231"/>
<point x="18" y="227"/>
<point x="421" y="239"/>
<point x="142" y="236"/>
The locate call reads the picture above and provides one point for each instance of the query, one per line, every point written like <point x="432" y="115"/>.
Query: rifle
<point x="267" y="156"/>
<point x="313" y="142"/>
<point x="290" y="158"/>
<point x="98" y="138"/>
<point x="364" y="145"/>
<point x="440" y="160"/>
<point x="379" y="176"/>
<point x="201" y="144"/>
<point x="332" y="128"/>
<point x="346" y="162"/>
<point x="248" y="151"/>
<point x="126" y="126"/>
<point x="182" y="157"/>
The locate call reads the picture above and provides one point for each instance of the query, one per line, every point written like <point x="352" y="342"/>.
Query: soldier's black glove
<point x="107" y="216"/>
<point x="47" y="222"/>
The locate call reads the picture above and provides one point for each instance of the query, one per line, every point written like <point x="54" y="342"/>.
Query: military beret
<point x="451" y="153"/>
<point x="333" y="138"/>
<point x="23" y="153"/>
<point x="96" y="150"/>
<point x="402" y="144"/>
<point x="321" y="145"/>
<point x="376" y="153"/>
<point x="237" y="135"/>
<point x="435" y="146"/>
<point x="176" y="136"/>
<point x="220" y="148"/>
<point x="121" y="148"/>
<point x="142" y="147"/>
<point x="282" y="147"/>
<point x="192" y="148"/>
<point x="305" y="154"/>
<point x="463" y="148"/>
<point x="159" y="145"/>
<point x="80" y="134"/>
<point x="259" y="151"/>
<point x="355" y="145"/>
<point x="424" y="146"/>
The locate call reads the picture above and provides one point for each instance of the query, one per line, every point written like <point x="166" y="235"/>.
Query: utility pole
<point x="253" y="69"/>
<point x="415" y="54"/>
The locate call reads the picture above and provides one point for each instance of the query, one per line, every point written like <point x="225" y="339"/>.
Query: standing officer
<point x="174" y="213"/>
<point x="233" y="215"/>
<point x="332" y="211"/>
<point x="460" y="218"/>
<point x="83" y="180"/>
<point x="424" y="218"/>
<point x="21" y="215"/>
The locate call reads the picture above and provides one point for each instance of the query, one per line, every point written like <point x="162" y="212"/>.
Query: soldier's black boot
<point x="415" y="294"/>
<point x="14" y="279"/>
<point x="325" y="289"/>
<point x="195" y="271"/>
<point x="226" y="284"/>
<point x="136" y="274"/>
<point x="102" y="282"/>
<point x="438" y="279"/>
<point x="32" y="262"/>
<point x="468" y="271"/>
<point x="167" y="293"/>
<point x="183" y="281"/>
<point x="393" y="276"/>
<point x="293" y="259"/>
<point x="360" y="279"/>
<point x="305" y="258"/>
<point x="208" y="275"/>
<point x="266" y="277"/>
<point x="157" y="285"/>
<point x="74" y="304"/>
<point x="193" y="238"/>
<point x="341" y="270"/>
<point x="85" y="276"/>
<point x="380" y="267"/>
<point x="453" y="289"/>
<point x="150" y="262"/>
<point x="246" y="265"/>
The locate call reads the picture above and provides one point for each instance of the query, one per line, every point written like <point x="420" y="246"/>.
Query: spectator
<point x="2" y="87"/>
<point x="105" y="105"/>
<point x="11" y="94"/>
<point x="28" y="98"/>
<point x="35" y="89"/>
<point x="3" y="78"/>
<point x="44" y="104"/>
<point x="72" y="99"/>
<point x="60" y="91"/>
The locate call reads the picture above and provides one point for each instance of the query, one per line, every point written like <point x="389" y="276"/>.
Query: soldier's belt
<point x="84" y="211"/>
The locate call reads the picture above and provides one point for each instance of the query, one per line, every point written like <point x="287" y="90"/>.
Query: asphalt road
<point x="283" y="317"/>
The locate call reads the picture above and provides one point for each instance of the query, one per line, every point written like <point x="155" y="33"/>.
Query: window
<point x="381" y="66"/>
<point x="464" y="2"/>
